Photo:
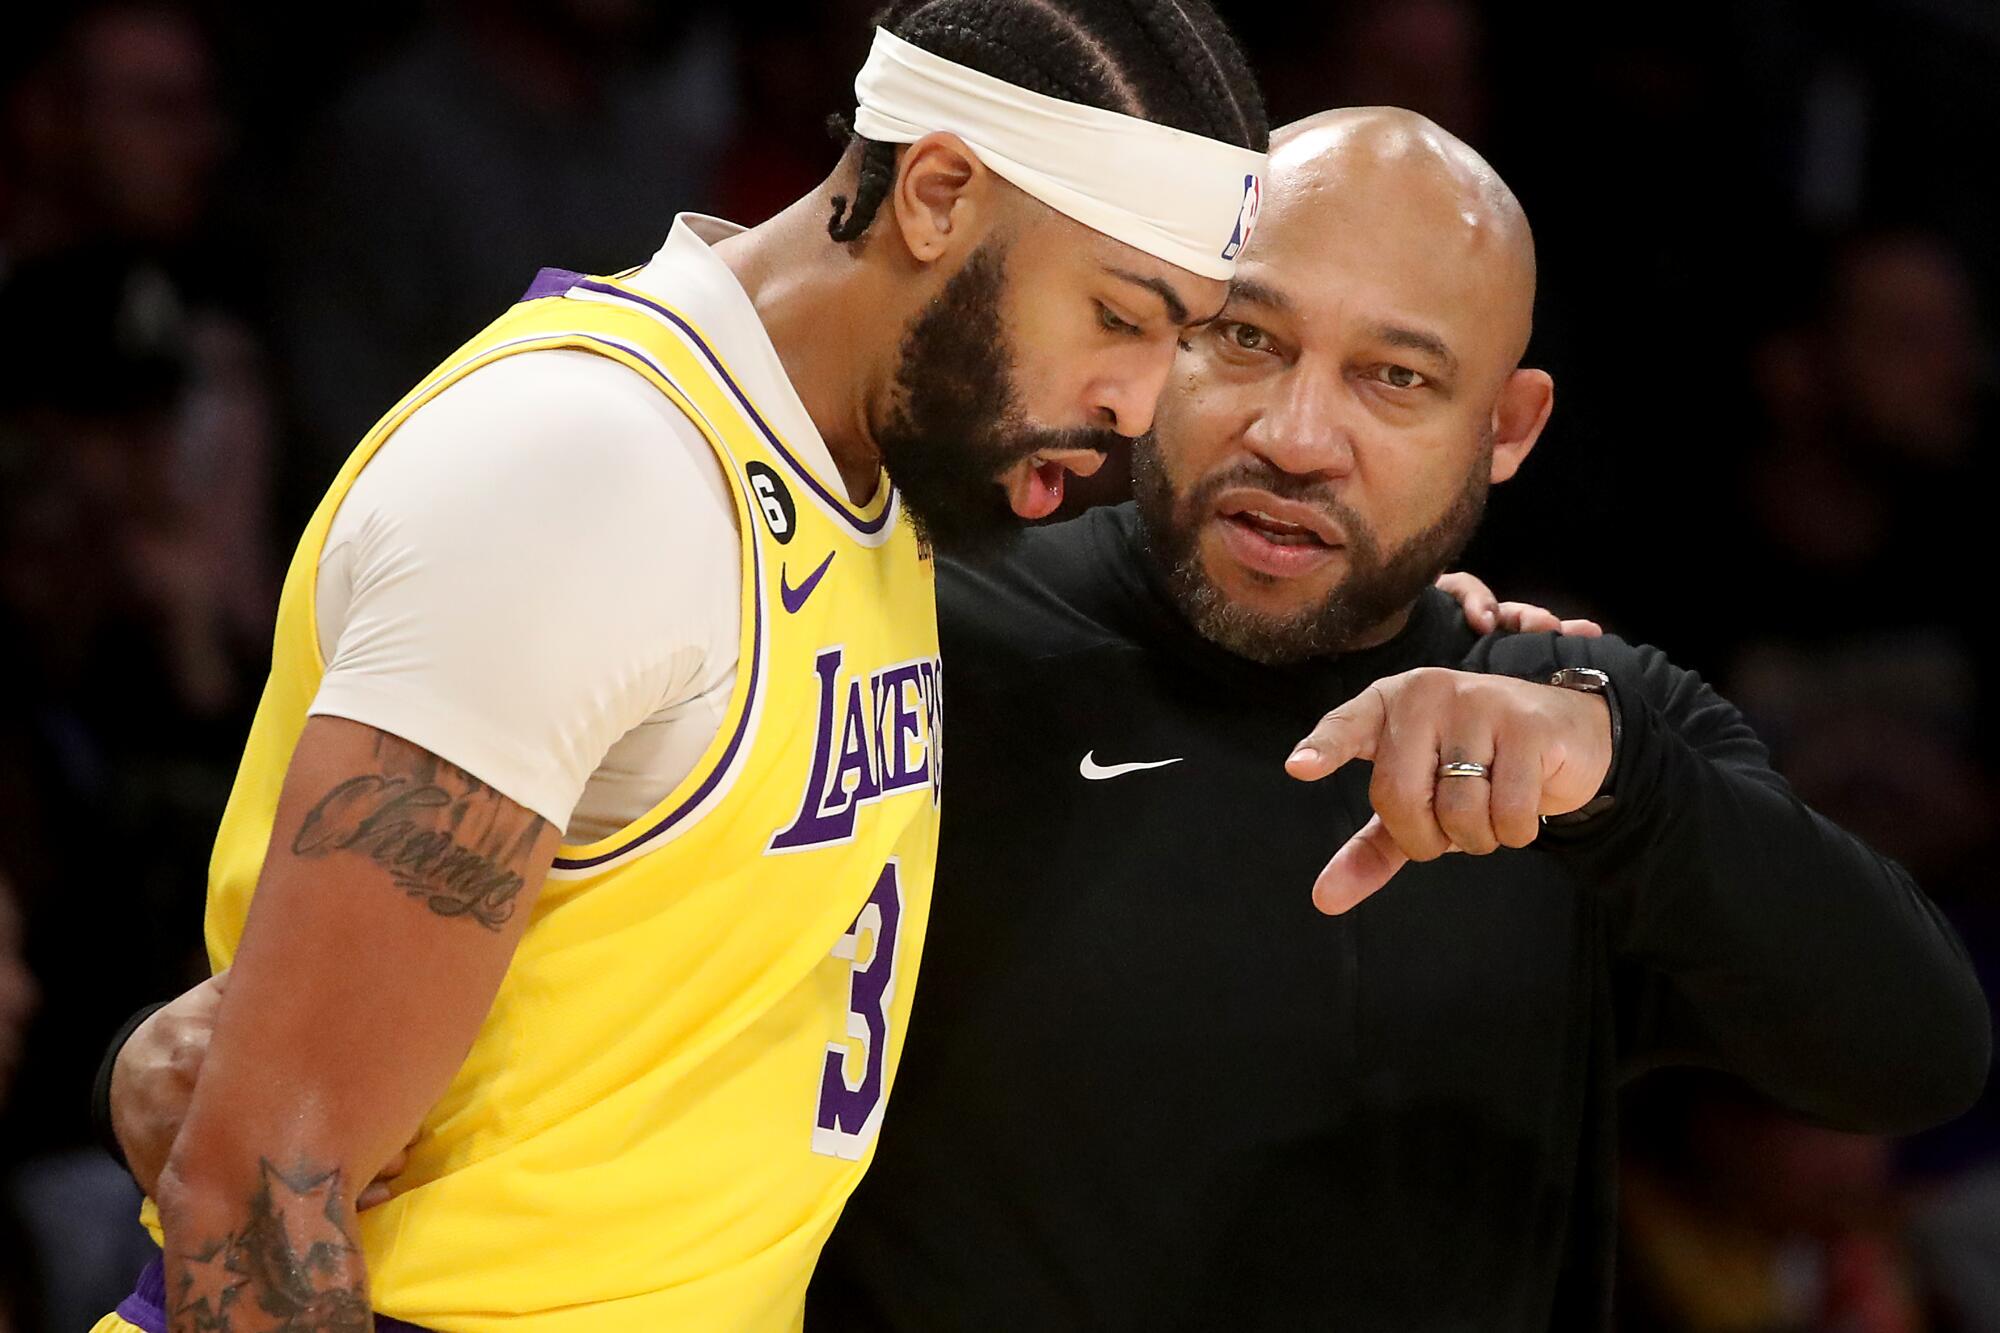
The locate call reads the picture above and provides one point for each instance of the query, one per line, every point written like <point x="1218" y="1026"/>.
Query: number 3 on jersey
<point x="850" y="1110"/>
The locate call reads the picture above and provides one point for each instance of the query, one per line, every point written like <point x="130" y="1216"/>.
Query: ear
<point x="941" y="197"/>
<point x="1526" y="400"/>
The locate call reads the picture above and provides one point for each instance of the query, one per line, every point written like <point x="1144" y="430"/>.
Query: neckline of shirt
<point x="686" y="274"/>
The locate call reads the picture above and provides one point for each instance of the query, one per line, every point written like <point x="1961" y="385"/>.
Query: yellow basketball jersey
<point x="681" y="1078"/>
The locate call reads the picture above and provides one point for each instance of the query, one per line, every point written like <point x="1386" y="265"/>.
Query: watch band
<point x="1590" y="680"/>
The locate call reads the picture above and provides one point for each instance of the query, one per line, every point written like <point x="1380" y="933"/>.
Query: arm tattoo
<point x="293" y="1268"/>
<point x="443" y="835"/>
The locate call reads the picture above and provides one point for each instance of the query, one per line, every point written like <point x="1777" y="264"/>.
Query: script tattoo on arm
<point x="444" y="836"/>
<point x="293" y="1267"/>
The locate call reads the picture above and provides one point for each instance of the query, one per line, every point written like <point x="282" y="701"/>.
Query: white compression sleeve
<point x="540" y="564"/>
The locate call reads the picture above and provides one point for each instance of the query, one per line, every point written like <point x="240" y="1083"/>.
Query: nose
<point x="1126" y="400"/>
<point x="1304" y="427"/>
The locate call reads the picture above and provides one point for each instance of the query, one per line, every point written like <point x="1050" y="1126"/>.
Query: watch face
<point x="1589" y="680"/>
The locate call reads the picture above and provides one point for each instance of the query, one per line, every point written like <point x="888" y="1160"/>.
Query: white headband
<point x="1177" y="196"/>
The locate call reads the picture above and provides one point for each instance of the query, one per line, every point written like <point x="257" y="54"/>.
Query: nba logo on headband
<point x="1163" y="191"/>
<point x="1246" y="217"/>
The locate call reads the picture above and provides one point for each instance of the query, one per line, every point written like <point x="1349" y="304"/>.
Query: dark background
<point x="232" y="234"/>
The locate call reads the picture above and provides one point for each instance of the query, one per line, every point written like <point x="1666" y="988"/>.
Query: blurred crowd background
<point x="232" y="234"/>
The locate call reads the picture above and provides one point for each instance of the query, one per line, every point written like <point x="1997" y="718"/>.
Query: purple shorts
<point x="146" y="1306"/>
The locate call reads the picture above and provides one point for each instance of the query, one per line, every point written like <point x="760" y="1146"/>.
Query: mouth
<point x="1034" y="485"/>
<point x="1279" y="538"/>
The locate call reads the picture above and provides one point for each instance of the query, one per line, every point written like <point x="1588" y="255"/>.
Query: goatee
<point x="1378" y="585"/>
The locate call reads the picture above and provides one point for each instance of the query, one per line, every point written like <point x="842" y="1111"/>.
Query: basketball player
<point x="1149" y="1087"/>
<point x="588" y="821"/>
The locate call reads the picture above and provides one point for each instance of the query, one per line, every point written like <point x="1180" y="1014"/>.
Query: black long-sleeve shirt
<point x="1147" y="1086"/>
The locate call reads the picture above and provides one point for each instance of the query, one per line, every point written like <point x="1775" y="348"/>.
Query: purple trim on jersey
<point x="551" y="282"/>
<point x="728" y="759"/>
<point x="146" y="1307"/>
<point x="840" y="506"/>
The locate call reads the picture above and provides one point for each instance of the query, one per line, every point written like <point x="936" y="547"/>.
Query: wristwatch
<point x="1591" y="681"/>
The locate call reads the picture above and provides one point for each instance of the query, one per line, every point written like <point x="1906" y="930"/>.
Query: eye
<point x="1111" y="323"/>
<point x="1247" y="337"/>
<point x="1400" y="377"/>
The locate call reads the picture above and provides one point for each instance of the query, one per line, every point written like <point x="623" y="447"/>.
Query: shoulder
<point x="550" y="435"/>
<point x="563" y="478"/>
<point x="558" y="393"/>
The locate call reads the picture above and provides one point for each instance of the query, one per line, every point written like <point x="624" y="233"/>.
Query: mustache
<point x="1263" y="476"/>
<point x="1027" y="443"/>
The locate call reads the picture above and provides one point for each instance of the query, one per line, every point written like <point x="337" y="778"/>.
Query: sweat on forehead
<point x="1390" y="173"/>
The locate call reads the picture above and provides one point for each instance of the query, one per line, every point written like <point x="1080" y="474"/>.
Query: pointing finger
<point x="1349" y="732"/>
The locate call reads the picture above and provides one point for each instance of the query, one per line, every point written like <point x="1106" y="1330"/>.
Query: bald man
<point x="1148" y="1086"/>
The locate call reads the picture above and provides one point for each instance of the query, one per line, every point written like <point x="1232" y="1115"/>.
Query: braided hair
<point x="1169" y="61"/>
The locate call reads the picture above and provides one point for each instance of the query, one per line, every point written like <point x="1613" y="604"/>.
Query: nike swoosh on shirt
<point x="1097" y="772"/>
<point x="794" y="598"/>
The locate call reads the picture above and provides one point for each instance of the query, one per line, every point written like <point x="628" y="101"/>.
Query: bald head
<point x="1407" y="186"/>
<point x="1366" y="372"/>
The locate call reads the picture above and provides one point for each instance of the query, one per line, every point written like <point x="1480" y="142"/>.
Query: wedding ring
<point x="1463" y="768"/>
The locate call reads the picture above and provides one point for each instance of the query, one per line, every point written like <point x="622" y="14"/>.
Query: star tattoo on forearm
<point x="291" y="1268"/>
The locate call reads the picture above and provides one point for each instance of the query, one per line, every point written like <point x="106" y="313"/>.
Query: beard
<point x="956" y="422"/>
<point x="1378" y="586"/>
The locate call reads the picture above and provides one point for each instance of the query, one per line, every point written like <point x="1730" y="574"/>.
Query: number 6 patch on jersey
<point x="850" y="1109"/>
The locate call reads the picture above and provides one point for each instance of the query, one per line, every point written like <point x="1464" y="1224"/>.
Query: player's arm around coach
<point x="1751" y="933"/>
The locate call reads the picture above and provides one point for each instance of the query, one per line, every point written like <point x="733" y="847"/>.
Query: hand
<point x="1486" y="613"/>
<point x="1548" y="750"/>
<point x="153" y="1081"/>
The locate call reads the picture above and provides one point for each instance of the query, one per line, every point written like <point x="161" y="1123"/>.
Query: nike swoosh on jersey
<point x="1097" y="772"/>
<point x="794" y="598"/>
